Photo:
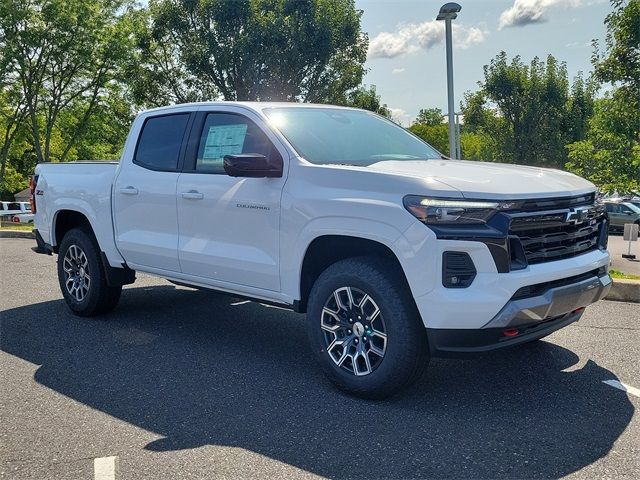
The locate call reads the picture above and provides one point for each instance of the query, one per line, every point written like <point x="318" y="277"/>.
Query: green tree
<point x="367" y="98"/>
<point x="154" y="72"/>
<point x="478" y="146"/>
<point x="305" y="50"/>
<point x="435" y="135"/>
<point x="429" y="116"/>
<point x="528" y="110"/>
<point x="62" y="54"/>
<point x="610" y="154"/>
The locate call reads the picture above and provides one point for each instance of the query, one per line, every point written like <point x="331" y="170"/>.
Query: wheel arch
<point x="325" y="250"/>
<point x="65" y="220"/>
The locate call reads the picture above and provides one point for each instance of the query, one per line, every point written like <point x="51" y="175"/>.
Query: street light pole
<point x="449" y="12"/>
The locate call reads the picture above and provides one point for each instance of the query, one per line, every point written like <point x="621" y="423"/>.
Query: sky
<point x="406" y="57"/>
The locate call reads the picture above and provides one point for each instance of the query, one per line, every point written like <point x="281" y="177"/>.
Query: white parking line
<point x="621" y="386"/>
<point x="241" y="303"/>
<point x="105" y="468"/>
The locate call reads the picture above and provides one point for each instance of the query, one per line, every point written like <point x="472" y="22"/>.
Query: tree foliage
<point x="368" y="99"/>
<point x="435" y="135"/>
<point x="155" y="72"/>
<point x="63" y="53"/>
<point x="529" y="110"/>
<point x="291" y="50"/>
<point x="429" y="116"/>
<point x="610" y="154"/>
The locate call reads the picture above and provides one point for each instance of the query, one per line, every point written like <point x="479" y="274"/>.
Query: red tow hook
<point x="511" y="332"/>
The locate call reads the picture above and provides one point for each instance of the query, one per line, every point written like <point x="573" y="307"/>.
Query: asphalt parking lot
<point x="618" y="246"/>
<point x="178" y="383"/>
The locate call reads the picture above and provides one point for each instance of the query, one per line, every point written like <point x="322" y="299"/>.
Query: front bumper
<point x="525" y="319"/>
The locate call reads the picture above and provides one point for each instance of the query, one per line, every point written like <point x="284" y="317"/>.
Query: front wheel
<point x="82" y="277"/>
<point x="365" y="328"/>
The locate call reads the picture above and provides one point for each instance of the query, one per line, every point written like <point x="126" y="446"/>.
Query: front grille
<point x="556" y="203"/>
<point x="557" y="235"/>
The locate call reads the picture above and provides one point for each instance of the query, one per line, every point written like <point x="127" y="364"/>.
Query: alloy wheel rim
<point x="76" y="272"/>
<point x="354" y="331"/>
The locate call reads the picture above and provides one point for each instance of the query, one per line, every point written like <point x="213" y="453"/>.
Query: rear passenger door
<point x="144" y="195"/>
<point x="615" y="215"/>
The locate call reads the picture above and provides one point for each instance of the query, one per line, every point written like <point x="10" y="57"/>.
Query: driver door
<point x="229" y="227"/>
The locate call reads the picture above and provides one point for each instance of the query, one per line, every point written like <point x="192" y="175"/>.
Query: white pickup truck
<point x="395" y="253"/>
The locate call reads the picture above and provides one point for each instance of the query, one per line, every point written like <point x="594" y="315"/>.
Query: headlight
<point x="434" y="211"/>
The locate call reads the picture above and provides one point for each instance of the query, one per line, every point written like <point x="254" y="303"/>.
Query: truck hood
<point x="491" y="180"/>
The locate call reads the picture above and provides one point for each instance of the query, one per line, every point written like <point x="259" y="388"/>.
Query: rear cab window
<point x="160" y="142"/>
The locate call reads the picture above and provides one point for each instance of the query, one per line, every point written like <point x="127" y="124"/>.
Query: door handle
<point x="129" y="191"/>
<point x="192" y="195"/>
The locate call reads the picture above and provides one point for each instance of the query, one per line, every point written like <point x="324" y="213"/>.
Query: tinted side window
<point x="160" y="142"/>
<point x="229" y="134"/>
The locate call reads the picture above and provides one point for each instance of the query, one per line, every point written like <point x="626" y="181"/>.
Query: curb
<point x="624" y="291"/>
<point x="16" y="234"/>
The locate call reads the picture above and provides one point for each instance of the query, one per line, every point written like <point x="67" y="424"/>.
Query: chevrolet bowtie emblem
<point x="577" y="215"/>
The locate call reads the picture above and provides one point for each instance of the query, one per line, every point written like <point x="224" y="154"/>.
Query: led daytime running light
<point x="434" y="202"/>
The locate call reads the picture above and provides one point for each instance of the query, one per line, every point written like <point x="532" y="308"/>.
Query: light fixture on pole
<point x="448" y="12"/>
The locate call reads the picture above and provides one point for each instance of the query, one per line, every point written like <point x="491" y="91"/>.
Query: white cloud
<point x="470" y="36"/>
<point x="396" y="71"/>
<point x="524" y="12"/>
<point x="400" y="116"/>
<point x="578" y="44"/>
<point x="410" y="38"/>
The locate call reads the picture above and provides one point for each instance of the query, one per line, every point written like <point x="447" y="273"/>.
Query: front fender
<point x="293" y="256"/>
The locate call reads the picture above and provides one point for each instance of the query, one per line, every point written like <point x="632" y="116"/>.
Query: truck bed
<point x="81" y="186"/>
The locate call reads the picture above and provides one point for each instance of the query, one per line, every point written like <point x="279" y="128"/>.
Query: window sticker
<point x="223" y="140"/>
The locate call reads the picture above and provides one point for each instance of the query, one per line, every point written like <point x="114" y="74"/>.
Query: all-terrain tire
<point x="406" y="351"/>
<point x="81" y="275"/>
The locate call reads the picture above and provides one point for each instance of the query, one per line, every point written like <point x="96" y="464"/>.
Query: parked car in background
<point x="621" y="213"/>
<point x="16" y="212"/>
<point x="7" y="209"/>
<point x="23" y="218"/>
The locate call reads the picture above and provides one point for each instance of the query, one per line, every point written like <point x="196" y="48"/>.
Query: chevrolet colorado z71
<point x="395" y="253"/>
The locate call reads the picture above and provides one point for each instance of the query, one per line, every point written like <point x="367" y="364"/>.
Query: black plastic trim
<point x="451" y="342"/>
<point x="542" y="288"/>
<point x="457" y="264"/>
<point x="41" y="246"/>
<point x="117" y="276"/>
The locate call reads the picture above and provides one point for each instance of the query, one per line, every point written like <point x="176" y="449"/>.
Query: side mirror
<point x="252" y="165"/>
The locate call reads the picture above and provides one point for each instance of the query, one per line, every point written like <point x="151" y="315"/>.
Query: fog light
<point x="458" y="270"/>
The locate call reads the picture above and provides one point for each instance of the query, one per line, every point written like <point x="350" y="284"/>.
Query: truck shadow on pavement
<point x="197" y="370"/>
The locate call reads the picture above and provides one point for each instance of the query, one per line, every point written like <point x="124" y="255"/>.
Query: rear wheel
<point x="82" y="277"/>
<point x="365" y="329"/>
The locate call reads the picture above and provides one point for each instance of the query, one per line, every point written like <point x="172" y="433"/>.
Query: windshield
<point x="347" y="137"/>
<point x="632" y="206"/>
